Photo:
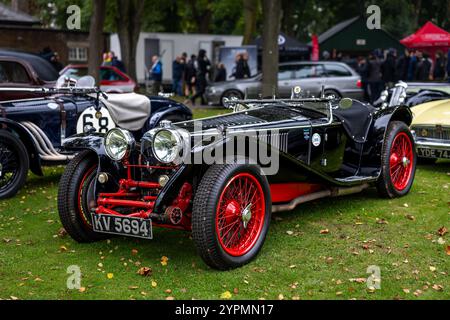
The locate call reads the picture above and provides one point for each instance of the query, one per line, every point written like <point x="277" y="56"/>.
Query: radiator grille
<point x="433" y="132"/>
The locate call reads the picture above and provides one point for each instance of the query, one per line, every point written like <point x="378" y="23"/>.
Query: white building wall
<point x="173" y="44"/>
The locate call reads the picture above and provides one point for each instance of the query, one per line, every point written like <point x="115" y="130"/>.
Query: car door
<point x="340" y="78"/>
<point x="310" y="77"/>
<point x="113" y="81"/>
<point x="285" y="76"/>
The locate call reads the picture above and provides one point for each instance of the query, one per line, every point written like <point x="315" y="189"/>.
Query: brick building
<point x="23" y="32"/>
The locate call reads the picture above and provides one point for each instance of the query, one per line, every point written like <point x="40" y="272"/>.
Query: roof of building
<point x="336" y="29"/>
<point x="9" y="16"/>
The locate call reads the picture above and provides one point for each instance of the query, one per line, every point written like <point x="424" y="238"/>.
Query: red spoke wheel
<point x="398" y="161"/>
<point x="231" y="215"/>
<point x="76" y="197"/>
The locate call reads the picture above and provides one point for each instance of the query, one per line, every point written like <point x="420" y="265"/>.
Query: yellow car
<point x="431" y="129"/>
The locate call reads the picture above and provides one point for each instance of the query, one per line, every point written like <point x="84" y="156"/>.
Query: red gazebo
<point x="429" y="38"/>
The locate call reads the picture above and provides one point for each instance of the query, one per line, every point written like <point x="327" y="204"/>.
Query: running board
<point x="334" y="192"/>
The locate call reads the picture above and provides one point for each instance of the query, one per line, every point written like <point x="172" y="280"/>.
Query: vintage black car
<point x="32" y="130"/>
<point x="222" y="177"/>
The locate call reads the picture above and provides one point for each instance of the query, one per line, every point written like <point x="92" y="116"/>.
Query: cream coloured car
<point x="431" y="129"/>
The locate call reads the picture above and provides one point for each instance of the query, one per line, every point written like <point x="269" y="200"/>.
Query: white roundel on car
<point x="101" y="121"/>
<point x="316" y="139"/>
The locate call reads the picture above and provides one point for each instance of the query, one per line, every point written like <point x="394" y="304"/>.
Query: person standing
<point x="448" y="66"/>
<point x="203" y="67"/>
<point x="190" y="77"/>
<point x="388" y="69"/>
<point x="374" y="79"/>
<point x="363" y="70"/>
<point x="401" y="67"/>
<point x="439" y="66"/>
<point x="423" y="67"/>
<point x="412" y="65"/>
<point x="177" y="76"/>
<point x="115" y="62"/>
<point x="156" y="75"/>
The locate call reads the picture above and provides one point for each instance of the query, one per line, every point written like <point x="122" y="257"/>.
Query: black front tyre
<point x="231" y="215"/>
<point x="14" y="164"/>
<point x="398" y="161"/>
<point x="76" y="197"/>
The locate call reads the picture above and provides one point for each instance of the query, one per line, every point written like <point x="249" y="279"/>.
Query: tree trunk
<point x="271" y="29"/>
<point x="417" y="8"/>
<point x="129" y="21"/>
<point x="96" y="38"/>
<point x="250" y="13"/>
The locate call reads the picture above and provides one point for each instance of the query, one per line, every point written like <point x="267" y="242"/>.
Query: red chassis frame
<point x="143" y="206"/>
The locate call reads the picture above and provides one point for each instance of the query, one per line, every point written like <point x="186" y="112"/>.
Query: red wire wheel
<point x="84" y="197"/>
<point x="240" y="214"/>
<point x="401" y="161"/>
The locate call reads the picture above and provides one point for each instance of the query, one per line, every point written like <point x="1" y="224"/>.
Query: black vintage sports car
<point x="32" y="130"/>
<point x="221" y="177"/>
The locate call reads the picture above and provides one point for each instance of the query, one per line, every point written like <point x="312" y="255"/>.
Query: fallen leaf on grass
<point x="292" y="266"/>
<point x="280" y="297"/>
<point x="324" y="231"/>
<point x="110" y="275"/>
<point x="382" y="221"/>
<point x="133" y="287"/>
<point x="417" y="292"/>
<point x="358" y="280"/>
<point x="235" y="290"/>
<point x="448" y="250"/>
<point x="226" y="295"/>
<point x="14" y="298"/>
<point x="38" y="279"/>
<point x="154" y="284"/>
<point x="441" y="240"/>
<point x="168" y="291"/>
<point x="339" y="293"/>
<point x="442" y="231"/>
<point x="134" y="252"/>
<point x="406" y="290"/>
<point x="410" y="217"/>
<point x="164" y="260"/>
<point x="170" y="298"/>
<point x="145" y="271"/>
<point x="432" y="269"/>
<point x="63" y="249"/>
<point x="82" y="289"/>
<point x="62" y="232"/>
<point x="289" y="232"/>
<point x="438" y="287"/>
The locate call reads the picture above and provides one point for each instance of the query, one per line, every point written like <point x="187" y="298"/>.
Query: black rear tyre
<point x="398" y="161"/>
<point x="231" y="215"/>
<point x="14" y="164"/>
<point x="76" y="197"/>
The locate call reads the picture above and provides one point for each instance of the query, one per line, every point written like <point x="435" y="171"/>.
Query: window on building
<point x="78" y="54"/>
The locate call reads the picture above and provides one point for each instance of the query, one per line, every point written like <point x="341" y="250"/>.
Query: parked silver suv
<point x="337" y="78"/>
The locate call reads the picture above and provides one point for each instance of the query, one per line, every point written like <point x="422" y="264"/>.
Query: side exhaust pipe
<point x="43" y="144"/>
<point x="334" y="192"/>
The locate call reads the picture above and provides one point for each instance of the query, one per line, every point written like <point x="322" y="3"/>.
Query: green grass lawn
<point x="297" y="261"/>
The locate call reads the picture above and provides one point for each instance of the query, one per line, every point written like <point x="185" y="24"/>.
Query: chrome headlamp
<point x="118" y="143"/>
<point x="167" y="145"/>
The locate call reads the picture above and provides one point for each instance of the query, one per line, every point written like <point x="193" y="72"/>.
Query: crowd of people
<point x="380" y="69"/>
<point x="191" y="75"/>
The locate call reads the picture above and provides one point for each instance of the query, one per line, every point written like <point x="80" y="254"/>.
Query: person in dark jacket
<point x="177" y="76"/>
<point x="202" y="66"/>
<point x="412" y="66"/>
<point x="423" y="67"/>
<point x="221" y="73"/>
<point x="242" y="70"/>
<point x="190" y="75"/>
<point x="388" y="69"/>
<point x="363" y="70"/>
<point x="156" y="75"/>
<point x="374" y="77"/>
<point x="115" y="62"/>
<point x="401" y="67"/>
<point x="439" y="66"/>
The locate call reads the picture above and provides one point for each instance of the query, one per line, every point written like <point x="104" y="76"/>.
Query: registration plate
<point x="126" y="226"/>
<point x="433" y="153"/>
